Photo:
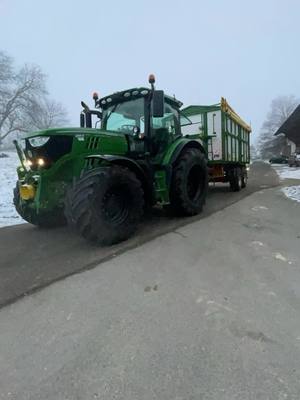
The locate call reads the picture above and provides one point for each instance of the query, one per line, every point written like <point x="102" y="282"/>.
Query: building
<point x="291" y="129"/>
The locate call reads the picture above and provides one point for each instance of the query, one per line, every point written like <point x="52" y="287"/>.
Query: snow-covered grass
<point x="8" y="174"/>
<point x="8" y="165"/>
<point x="286" y="172"/>
<point x="292" y="192"/>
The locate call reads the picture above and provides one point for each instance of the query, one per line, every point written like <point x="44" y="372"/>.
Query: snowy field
<point x="8" y="214"/>
<point x="285" y="172"/>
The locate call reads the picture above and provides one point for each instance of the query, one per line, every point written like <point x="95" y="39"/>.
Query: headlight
<point x="28" y="163"/>
<point x="38" y="141"/>
<point x="40" y="162"/>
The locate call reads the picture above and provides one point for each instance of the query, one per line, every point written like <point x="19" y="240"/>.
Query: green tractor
<point x="100" y="180"/>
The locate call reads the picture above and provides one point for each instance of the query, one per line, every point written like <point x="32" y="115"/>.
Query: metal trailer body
<point x="224" y="135"/>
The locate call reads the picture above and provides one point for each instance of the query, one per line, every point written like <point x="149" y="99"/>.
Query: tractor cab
<point x="148" y="118"/>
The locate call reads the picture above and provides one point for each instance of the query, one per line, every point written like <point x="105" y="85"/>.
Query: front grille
<point x="53" y="150"/>
<point x="92" y="142"/>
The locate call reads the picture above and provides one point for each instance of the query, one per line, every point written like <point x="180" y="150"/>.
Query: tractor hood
<point x="67" y="132"/>
<point x="44" y="148"/>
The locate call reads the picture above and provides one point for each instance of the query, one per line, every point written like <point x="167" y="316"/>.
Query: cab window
<point x="169" y="121"/>
<point x="124" y="116"/>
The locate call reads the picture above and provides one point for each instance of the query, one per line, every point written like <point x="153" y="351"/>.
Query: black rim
<point x="116" y="205"/>
<point x="195" y="182"/>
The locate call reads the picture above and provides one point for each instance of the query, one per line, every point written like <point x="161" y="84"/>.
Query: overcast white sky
<point x="246" y="51"/>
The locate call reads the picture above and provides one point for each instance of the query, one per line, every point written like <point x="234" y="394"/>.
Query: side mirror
<point x="158" y="103"/>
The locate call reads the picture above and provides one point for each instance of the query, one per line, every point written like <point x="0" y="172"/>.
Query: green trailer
<point x="225" y="138"/>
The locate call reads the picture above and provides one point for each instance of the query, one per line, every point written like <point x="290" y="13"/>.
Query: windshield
<point x="124" y="116"/>
<point x="184" y="120"/>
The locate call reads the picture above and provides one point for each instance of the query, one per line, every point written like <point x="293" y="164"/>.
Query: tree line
<point x="25" y="104"/>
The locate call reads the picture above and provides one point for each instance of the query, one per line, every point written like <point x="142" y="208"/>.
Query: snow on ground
<point x="9" y="216"/>
<point x="8" y="174"/>
<point x="292" y="192"/>
<point x="286" y="172"/>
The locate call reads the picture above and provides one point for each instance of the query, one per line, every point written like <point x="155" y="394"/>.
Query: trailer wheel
<point x="105" y="204"/>
<point x="189" y="183"/>
<point x="244" y="180"/>
<point x="235" y="180"/>
<point x="51" y="219"/>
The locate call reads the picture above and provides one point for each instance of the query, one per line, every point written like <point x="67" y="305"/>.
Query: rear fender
<point x="175" y="151"/>
<point x="182" y="146"/>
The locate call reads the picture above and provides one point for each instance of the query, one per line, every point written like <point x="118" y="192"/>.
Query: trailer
<point x="225" y="138"/>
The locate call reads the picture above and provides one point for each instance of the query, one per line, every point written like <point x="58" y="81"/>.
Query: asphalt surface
<point x="31" y="258"/>
<point x="209" y="311"/>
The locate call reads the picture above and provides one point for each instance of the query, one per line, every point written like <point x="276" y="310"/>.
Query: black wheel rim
<point x="116" y="206"/>
<point x="195" y="182"/>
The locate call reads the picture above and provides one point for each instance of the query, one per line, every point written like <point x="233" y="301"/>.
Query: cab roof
<point x="131" y="94"/>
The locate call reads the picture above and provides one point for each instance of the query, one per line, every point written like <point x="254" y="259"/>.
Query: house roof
<point x="291" y="127"/>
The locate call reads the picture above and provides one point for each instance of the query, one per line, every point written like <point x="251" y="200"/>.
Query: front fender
<point x="143" y="174"/>
<point x="120" y="160"/>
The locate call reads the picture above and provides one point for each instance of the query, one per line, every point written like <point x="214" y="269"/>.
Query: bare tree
<point x="6" y="72"/>
<point x="281" y="108"/>
<point x="44" y="114"/>
<point x="254" y="152"/>
<point x="24" y="104"/>
<point x="18" y="90"/>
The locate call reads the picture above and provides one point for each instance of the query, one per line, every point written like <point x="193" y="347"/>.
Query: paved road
<point x="31" y="258"/>
<point x="207" y="312"/>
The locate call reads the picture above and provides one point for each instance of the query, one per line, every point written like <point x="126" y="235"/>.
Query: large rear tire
<point x="51" y="219"/>
<point x="189" y="183"/>
<point x="105" y="205"/>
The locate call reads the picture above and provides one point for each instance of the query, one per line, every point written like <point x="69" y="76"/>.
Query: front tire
<point x="105" y="205"/>
<point x="189" y="183"/>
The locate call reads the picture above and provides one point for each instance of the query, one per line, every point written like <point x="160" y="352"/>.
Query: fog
<point x="198" y="50"/>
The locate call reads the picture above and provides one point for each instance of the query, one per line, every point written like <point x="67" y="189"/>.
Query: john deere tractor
<point x="100" y="180"/>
